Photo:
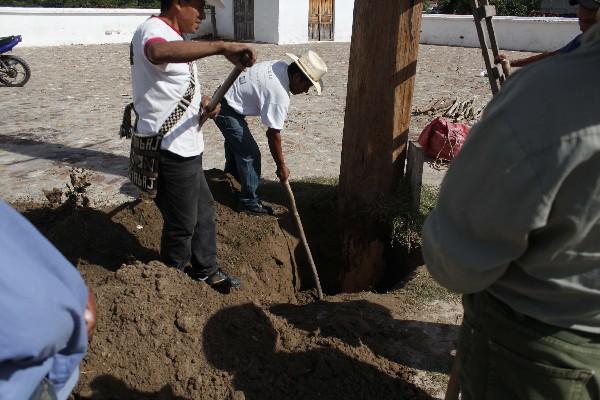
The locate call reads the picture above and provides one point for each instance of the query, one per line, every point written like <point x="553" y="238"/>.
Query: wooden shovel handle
<point x="453" y="390"/>
<point x="221" y="90"/>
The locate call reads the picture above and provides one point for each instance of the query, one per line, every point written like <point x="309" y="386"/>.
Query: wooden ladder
<point x="482" y="10"/>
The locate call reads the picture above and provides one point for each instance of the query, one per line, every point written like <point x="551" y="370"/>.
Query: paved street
<point x="70" y="111"/>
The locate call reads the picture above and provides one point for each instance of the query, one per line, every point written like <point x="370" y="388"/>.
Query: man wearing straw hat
<point x="263" y="90"/>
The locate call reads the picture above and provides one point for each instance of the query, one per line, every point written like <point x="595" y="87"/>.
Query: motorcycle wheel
<point x="14" y="71"/>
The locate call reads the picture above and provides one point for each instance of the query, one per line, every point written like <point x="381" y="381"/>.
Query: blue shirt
<point x="42" y="302"/>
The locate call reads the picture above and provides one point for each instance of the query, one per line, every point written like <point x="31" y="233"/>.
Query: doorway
<point x="320" y="20"/>
<point x="243" y="19"/>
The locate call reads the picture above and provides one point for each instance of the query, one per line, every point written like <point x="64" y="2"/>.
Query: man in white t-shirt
<point x="263" y="90"/>
<point x="167" y="100"/>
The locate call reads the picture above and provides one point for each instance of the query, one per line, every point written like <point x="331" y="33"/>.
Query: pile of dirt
<point x="259" y="249"/>
<point x="162" y="335"/>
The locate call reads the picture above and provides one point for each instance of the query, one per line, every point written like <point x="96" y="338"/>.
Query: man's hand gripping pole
<point x="221" y="90"/>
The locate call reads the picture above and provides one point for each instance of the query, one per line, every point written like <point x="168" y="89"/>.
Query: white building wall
<point x="225" y="20"/>
<point x="276" y="21"/>
<point x="293" y="21"/>
<point x="512" y="33"/>
<point x="343" y="15"/>
<point x="266" y="15"/>
<point x="54" y="27"/>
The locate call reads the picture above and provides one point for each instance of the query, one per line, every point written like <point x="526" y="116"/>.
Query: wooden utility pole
<point x="383" y="65"/>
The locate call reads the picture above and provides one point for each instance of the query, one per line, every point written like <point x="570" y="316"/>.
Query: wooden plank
<point x="313" y="19"/>
<point x="326" y="20"/>
<point x="236" y="19"/>
<point x="482" y="14"/>
<point x="493" y="44"/>
<point x="250" y="20"/>
<point x="243" y="17"/>
<point x="213" y="22"/>
<point x="320" y="20"/>
<point x="313" y="31"/>
<point x="414" y="173"/>
<point x="326" y="32"/>
<point x="484" y="49"/>
<point x="486" y="11"/>
<point x="382" y="70"/>
<point x="498" y="73"/>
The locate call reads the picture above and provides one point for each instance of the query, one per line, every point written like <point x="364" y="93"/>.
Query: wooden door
<point x="320" y="20"/>
<point x="243" y="19"/>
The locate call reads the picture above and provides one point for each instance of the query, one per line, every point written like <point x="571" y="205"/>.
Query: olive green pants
<point x="508" y="356"/>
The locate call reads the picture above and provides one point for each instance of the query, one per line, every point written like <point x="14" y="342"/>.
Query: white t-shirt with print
<point x="262" y="90"/>
<point x="158" y="88"/>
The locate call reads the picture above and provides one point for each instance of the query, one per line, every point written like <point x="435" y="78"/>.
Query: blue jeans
<point x="242" y="155"/>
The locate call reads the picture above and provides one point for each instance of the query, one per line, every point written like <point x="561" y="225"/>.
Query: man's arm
<point x="162" y="52"/>
<point x="274" y="138"/>
<point x="521" y="62"/>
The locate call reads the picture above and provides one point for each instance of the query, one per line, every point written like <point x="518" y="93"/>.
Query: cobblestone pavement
<point x="69" y="113"/>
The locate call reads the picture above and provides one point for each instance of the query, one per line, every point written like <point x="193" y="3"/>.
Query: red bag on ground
<point x="442" y="139"/>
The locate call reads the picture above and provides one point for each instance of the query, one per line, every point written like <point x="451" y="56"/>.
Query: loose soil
<point x="162" y="335"/>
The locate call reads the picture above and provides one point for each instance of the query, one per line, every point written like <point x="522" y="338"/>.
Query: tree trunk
<point x="383" y="64"/>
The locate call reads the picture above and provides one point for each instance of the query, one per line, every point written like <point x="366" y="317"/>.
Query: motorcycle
<point x="14" y="71"/>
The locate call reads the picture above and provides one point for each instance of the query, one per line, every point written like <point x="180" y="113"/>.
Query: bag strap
<point x="181" y="107"/>
<point x="127" y="128"/>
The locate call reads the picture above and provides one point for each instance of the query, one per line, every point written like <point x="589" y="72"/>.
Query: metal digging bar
<point x="296" y="215"/>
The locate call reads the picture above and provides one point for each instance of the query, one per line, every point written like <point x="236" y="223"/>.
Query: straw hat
<point x="217" y="3"/>
<point x="313" y="67"/>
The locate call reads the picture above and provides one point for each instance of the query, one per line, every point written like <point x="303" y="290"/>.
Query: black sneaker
<point x="220" y="281"/>
<point x="257" y="208"/>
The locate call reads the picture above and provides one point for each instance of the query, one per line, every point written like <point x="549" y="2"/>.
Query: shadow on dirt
<point x="416" y="344"/>
<point x="99" y="237"/>
<point x="243" y="341"/>
<point x="108" y="387"/>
